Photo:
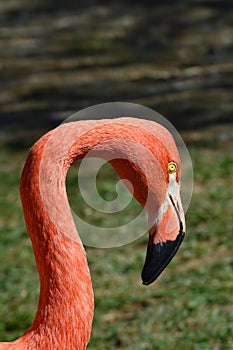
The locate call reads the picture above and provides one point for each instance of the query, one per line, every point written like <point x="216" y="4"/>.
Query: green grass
<point x="189" y="307"/>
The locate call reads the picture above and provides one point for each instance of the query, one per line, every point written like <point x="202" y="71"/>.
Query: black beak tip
<point x="158" y="257"/>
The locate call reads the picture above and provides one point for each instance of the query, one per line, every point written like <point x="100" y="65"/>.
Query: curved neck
<point x="65" y="309"/>
<point x="66" y="303"/>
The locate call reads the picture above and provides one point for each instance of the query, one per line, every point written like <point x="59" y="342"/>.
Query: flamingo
<point x="66" y="304"/>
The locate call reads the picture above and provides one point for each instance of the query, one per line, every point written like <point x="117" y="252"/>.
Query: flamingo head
<point x="167" y="231"/>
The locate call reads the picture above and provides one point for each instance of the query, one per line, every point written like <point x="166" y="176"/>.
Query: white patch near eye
<point x="173" y="186"/>
<point x="173" y="190"/>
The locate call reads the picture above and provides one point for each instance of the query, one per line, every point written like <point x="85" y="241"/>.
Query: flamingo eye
<point x="172" y="167"/>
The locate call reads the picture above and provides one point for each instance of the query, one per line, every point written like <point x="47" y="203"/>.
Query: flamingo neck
<point x="65" y="310"/>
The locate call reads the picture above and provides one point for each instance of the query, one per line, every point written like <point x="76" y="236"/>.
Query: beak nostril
<point x="176" y="208"/>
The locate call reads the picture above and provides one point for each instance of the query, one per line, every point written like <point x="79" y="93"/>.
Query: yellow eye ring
<point x="172" y="167"/>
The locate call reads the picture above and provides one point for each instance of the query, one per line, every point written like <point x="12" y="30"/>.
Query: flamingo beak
<point x="165" y="237"/>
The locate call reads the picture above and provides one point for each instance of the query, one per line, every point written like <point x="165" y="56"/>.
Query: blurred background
<point x="173" y="56"/>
